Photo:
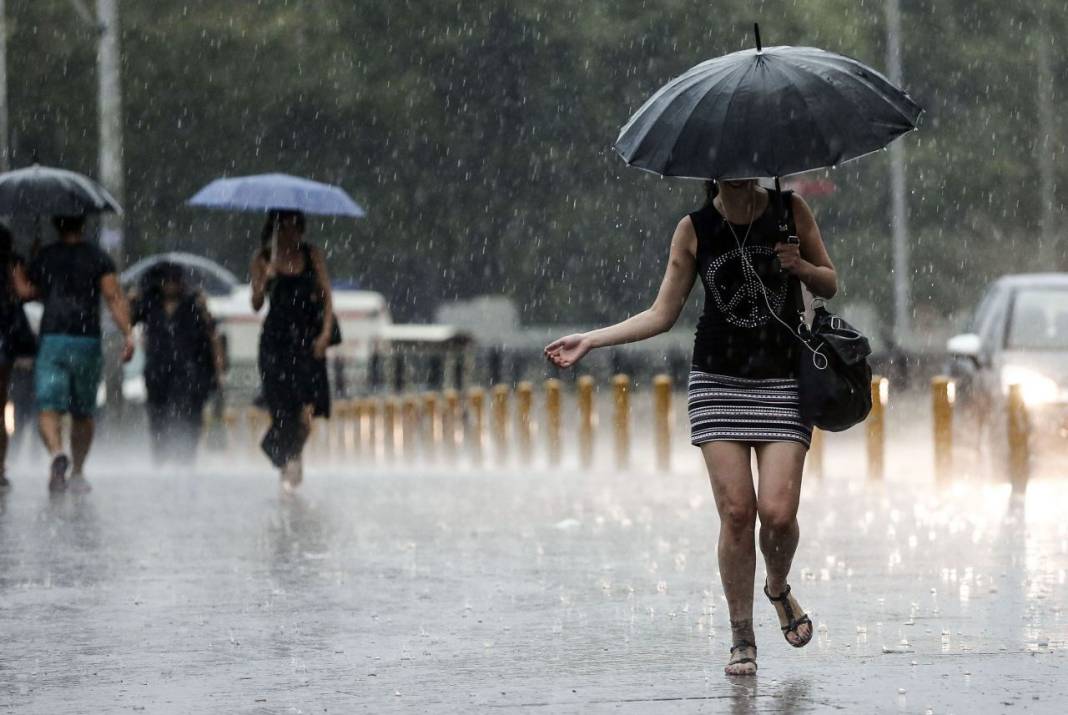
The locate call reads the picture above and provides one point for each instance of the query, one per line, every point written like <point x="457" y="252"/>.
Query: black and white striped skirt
<point x="738" y="409"/>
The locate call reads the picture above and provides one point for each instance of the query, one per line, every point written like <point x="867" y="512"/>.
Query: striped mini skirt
<point x="738" y="409"/>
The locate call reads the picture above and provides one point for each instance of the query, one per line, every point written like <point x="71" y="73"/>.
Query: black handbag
<point x="833" y="372"/>
<point x="834" y="375"/>
<point x="20" y="339"/>
<point x="335" y="329"/>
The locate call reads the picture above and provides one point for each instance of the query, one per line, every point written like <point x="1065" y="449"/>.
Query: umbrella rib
<point x="881" y="92"/>
<point x="831" y="115"/>
<point x="808" y="106"/>
<point x="742" y="70"/>
<point x="680" y="92"/>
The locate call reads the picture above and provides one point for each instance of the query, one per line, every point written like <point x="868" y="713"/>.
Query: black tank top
<point x="736" y="334"/>
<point x="295" y="312"/>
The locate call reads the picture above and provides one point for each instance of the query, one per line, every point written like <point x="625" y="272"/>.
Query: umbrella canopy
<point x="263" y="192"/>
<point x="45" y="190"/>
<point x="202" y="273"/>
<point x="769" y="112"/>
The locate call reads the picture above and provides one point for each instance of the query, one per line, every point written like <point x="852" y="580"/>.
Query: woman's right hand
<point x="568" y="350"/>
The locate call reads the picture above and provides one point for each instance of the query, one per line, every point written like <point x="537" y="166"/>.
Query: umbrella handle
<point x="756" y="33"/>
<point x="274" y="248"/>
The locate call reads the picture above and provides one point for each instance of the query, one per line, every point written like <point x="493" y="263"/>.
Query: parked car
<point x="1018" y="336"/>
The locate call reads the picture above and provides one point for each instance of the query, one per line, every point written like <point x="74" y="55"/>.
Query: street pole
<point x="1046" y="145"/>
<point x="899" y="211"/>
<point x="5" y="136"/>
<point x="109" y="104"/>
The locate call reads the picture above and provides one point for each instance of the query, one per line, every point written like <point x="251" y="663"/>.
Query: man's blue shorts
<point x="67" y="374"/>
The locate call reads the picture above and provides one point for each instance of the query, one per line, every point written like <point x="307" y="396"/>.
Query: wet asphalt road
<point x="410" y="589"/>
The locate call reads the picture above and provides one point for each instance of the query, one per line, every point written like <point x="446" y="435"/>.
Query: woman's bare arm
<point x="674" y="290"/>
<point x="21" y="282"/>
<point x="327" y="295"/>
<point x="259" y="271"/>
<point x="809" y="261"/>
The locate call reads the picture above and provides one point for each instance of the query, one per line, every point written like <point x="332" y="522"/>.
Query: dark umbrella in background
<point x="766" y="112"/>
<point x="47" y="191"/>
<point x="44" y="190"/>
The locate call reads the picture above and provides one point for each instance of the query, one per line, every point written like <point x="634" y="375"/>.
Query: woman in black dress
<point x="291" y="274"/>
<point x="182" y="360"/>
<point x="16" y="338"/>
<point x="743" y="391"/>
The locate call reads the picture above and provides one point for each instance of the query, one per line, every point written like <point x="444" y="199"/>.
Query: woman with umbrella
<point x="752" y="249"/>
<point x="300" y="325"/>
<point x="183" y="360"/>
<point x="292" y="275"/>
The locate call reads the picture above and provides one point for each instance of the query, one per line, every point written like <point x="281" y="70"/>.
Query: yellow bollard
<point x="553" y="420"/>
<point x="360" y="447"/>
<point x="662" y="422"/>
<point x="410" y="427"/>
<point x="500" y="422"/>
<point x="942" y="396"/>
<point x="524" y="403"/>
<point x="877" y="428"/>
<point x="814" y="458"/>
<point x="389" y="428"/>
<point x="476" y="428"/>
<point x="230" y="419"/>
<point x="587" y="421"/>
<point x="369" y="428"/>
<point x="451" y="421"/>
<point x="621" y="422"/>
<point x="335" y="430"/>
<point x="352" y="428"/>
<point x="1019" y="432"/>
<point x="431" y="427"/>
<point x="255" y="428"/>
<point x="350" y="432"/>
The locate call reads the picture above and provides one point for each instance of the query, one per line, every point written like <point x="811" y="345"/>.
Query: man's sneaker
<point x="78" y="484"/>
<point x="57" y="481"/>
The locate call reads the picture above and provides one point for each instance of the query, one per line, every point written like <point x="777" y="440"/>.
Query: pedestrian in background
<point x="183" y="360"/>
<point x="17" y="340"/>
<point x="69" y="277"/>
<point x="291" y="275"/>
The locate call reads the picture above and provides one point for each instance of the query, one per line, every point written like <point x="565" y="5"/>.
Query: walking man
<point x="69" y="277"/>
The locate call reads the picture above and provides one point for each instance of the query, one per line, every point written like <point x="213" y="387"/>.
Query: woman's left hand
<point x="320" y="345"/>
<point x="789" y="255"/>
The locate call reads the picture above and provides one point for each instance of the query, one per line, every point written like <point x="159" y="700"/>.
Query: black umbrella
<point x="57" y="192"/>
<point x="766" y="112"/>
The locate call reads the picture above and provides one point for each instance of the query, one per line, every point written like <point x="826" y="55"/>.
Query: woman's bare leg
<point x="780" y="466"/>
<point x="732" y="486"/>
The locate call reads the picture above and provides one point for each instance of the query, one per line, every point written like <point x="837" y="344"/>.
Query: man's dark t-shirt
<point x="67" y="277"/>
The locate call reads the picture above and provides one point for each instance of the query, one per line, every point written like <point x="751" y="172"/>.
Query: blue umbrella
<point x="264" y="192"/>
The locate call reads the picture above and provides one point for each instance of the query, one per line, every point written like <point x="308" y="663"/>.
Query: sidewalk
<point x="406" y="591"/>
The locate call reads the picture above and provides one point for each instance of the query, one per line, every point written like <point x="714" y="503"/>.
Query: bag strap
<point x="788" y="233"/>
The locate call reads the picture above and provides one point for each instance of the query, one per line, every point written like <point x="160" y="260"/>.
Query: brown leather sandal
<point x="794" y="623"/>
<point x="741" y="661"/>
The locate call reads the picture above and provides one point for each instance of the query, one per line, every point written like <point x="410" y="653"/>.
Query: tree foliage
<point x="477" y="134"/>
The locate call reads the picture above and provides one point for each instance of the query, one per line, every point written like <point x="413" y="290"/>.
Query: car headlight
<point x="1035" y="388"/>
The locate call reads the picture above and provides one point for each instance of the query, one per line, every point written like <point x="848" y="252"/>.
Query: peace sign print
<point x="736" y="286"/>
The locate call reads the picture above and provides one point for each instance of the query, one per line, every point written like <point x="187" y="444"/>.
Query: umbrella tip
<point x="756" y="33"/>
